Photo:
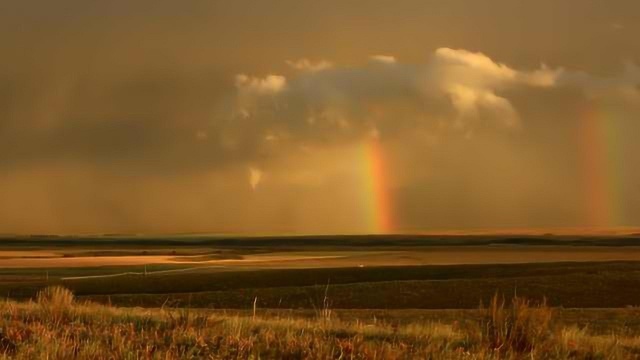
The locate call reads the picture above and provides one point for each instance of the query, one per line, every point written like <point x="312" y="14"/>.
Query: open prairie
<point x="356" y="271"/>
<point x="317" y="258"/>
<point x="336" y="297"/>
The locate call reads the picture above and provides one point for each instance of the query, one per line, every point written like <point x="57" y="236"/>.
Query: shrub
<point x="519" y="328"/>
<point x="55" y="297"/>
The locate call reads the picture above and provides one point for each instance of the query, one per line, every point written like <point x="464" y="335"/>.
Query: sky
<point x="318" y="117"/>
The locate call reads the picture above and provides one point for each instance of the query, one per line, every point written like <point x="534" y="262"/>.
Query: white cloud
<point x="473" y="80"/>
<point x="475" y="64"/>
<point x="383" y="59"/>
<point x="253" y="92"/>
<point x="454" y="89"/>
<point x="255" y="176"/>
<point x="269" y="85"/>
<point x="308" y="65"/>
<point x="478" y="68"/>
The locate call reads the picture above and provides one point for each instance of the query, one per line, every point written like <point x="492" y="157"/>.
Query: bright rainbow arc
<point x="376" y="200"/>
<point x="601" y="144"/>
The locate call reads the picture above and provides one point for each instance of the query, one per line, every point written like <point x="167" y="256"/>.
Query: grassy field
<point x="362" y="272"/>
<point x="56" y="326"/>
<point x="305" y="298"/>
<point x="581" y="285"/>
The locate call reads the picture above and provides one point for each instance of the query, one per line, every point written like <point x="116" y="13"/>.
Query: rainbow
<point x="375" y="196"/>
<point x="602" y="151"/>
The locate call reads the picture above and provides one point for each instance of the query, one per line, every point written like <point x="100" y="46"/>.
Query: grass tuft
<point x="519" y="327"/>
<point x="55" y="296"/>
<point x="56" y="304"/>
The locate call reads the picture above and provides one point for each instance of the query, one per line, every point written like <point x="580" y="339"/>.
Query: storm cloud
<point x="212" y="117"/>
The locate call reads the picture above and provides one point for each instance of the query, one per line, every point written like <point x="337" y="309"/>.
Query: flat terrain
<point x="369" y="297"/>
<point x="350" y="272"/>
<point x="435" y="255"/>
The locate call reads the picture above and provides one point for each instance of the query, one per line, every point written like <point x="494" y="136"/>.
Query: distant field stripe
<point x="139" y="273"/>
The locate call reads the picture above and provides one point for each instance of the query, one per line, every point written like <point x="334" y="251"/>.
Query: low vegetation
<point x="58" y="326"/>
<point x="571" y="285"/>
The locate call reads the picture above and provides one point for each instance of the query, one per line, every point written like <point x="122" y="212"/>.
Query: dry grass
<point x="520" y="327"/>
<point x="55" y="297"/>
<point x="57" y="327"/>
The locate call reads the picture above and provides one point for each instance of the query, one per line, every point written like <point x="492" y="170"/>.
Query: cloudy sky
<point x="258" y="117"/>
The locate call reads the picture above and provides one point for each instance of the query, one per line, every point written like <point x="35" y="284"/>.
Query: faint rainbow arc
<point x="602" y="168"/>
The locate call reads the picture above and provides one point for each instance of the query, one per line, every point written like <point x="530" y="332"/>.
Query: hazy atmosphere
<point x="324" y="117"/>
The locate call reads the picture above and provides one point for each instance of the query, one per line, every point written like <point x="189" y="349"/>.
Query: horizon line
<point x="556" y="231"/>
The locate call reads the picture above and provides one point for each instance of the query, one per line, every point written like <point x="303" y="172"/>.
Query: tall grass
<point x="55" y="303"/>
<point x="55" y="296"/>
<point x="518" y="327"/>
<point x="57" y="327"/>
